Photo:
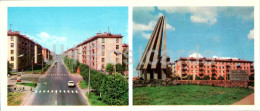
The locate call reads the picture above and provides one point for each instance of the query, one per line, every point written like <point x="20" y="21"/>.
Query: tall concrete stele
<point x="152" y="64"/>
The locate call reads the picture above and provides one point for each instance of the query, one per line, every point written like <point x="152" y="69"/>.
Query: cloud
<point x="224" y="57"/>
<point x="196" y="55"/>
<point x="143" y="14"/>
<point x="207" y="15"/>
<point x="143" y="28"/>
<point x="250" y="35"/>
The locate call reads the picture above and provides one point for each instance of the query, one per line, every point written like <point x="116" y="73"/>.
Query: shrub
<point x="213" y="78"/>
<point x="206" y="77"/>
<point x="109" y="68"/>
<point x="119" y="68"/>
<point x="197" y="78"/>
<point x="220" y="78"/>
<point x="251" y="77"/>
<point x="114" y="90"/>
<point x="176" y="78"/>
<point x="189" y="77"/>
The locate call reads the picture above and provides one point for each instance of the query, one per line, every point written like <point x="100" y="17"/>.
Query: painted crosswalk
<point x="57" y="74"/>
<point x="56" y="91"/>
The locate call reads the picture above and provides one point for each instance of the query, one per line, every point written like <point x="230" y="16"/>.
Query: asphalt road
<point x="53" y="88"/>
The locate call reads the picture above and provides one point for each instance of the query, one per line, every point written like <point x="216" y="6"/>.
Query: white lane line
<point x="48" y="91"/>
<point x="40" y="91"/>
<point x="68" y="91"/>
<point x="60" y="91"/>
<point x="43" y="91"/>
<point x="76" y="91"/>
<point x="64" y="91"/>
<point x="35" y="91"/>
<point x="56" y="91"/>
<point x="51" y="91"/>
<point x="72" y="91"/>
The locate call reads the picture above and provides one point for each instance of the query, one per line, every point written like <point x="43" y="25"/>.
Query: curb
<point x="84" y="95"/>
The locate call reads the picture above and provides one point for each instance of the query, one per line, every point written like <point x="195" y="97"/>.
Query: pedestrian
<point x="14" y="88"/>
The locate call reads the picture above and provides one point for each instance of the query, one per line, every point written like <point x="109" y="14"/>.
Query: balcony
<point x="184" y="68"/>
<point x="227" y="66"/>
<point x="201" y="68"/>
<point x="251" y="66"/>
<point x="252" y="70"/>
<point x="201" y="64"/>
<point x="201" y="74"/>
<point x="213" y="65"/>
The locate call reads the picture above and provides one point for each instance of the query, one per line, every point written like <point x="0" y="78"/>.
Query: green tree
<point x="125" y="59"/>
<point x="220" y="78"/>
<point x="213" y="78"/>
<point x="9" y="69"/>
<point x="189" y="77"/>
<point x="206" y="77"/>
<point x="197" y="78"/>
<point x="119" y="68"/>
<point x="169" y="71"/>
<point x="110" y="68"/>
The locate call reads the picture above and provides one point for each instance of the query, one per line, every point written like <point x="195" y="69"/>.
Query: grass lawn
<point x="83" y="85"/>
<point x="188" y="95"/>
<point x="28" y="84"/>
<point x="14" y="99"/>
<point x="95" y="100"/>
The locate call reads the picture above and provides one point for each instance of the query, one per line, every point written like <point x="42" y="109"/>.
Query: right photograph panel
<point x="193" y="55"/>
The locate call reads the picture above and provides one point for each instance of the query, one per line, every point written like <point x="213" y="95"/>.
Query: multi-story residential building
<point x="97" y="51"/>
<point x="46" y="54"/>
<point x="22" y="51"/>
<point x="212" y="67"/>
<point x="38" y="57"/>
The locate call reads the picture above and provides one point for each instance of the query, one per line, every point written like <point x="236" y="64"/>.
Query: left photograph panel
<point x="67" y="56"/>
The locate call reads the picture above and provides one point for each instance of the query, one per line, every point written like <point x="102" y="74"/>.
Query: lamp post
<point x="19" y="57"/>
<point x="117" y="53"/>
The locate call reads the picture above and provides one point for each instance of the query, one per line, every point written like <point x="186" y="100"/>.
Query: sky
<point x="212" y="32"/>
<point x="69" y="26"/>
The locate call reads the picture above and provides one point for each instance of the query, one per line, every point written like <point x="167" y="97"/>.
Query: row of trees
<point x="112" y="89"/>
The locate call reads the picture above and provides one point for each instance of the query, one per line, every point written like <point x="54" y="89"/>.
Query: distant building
<point x="46" y="54"/>
<point x="22" y="51"/>
<point x="100" y="50"/>
<point x="212" y="67"/>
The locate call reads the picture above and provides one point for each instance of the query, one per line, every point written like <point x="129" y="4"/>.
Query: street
<point x="53" y="88"/>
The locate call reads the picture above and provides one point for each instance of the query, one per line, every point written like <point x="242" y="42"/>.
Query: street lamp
<point x="19" y="57"/>
<point x="117" y="53"/>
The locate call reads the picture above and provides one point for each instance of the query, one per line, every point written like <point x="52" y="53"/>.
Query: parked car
<point x="71" y="84"/>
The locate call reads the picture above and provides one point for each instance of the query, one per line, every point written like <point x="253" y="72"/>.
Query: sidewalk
<point x="249" y="100"/>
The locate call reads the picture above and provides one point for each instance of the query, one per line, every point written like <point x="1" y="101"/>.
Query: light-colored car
<point x="71" y="84"/>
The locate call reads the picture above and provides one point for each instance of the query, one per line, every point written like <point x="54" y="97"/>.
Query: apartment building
<point x="212" y="67"/>
<point x="46" y="54"/>
<point x="38" y="57"/>
<point x="21" y="51"/>
<point x="99" y="50"/>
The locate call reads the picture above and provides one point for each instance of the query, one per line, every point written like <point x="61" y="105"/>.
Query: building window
<point x="103" y="66"/>
<point x="117" y="46"/>
<point x="103" y="47"/>
<point x="117" y="60"/>
<point x="103" y="53"/>
<point x="103" y="60"/>
<point x="12" y="44"/>
<point x="12" y="58"/>
<point x="12" y="51"/>
<point x="103" y="40"/>
<point x="117" y="40"/>
<point x="12" y="38"/>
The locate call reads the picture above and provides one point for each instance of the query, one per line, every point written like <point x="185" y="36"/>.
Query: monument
<point x="152" y="64"/>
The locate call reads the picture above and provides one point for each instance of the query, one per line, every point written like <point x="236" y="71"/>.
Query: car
<point x="71" y="84"/>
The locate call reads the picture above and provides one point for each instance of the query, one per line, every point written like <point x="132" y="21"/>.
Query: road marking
<point x="72" y="91"/>
<point x="76" y="91"/>
<point x="40" y="91"/>
<point x="48" y="91"/>
<point x="60" y="91"/>
<point x="68" y="91"/>
<point x="35" y="91"/>
<point x="56" y="91"/>
<point x="64" y="91"/>
<point x="43" y="91"/>
<point x="51" y="91"/>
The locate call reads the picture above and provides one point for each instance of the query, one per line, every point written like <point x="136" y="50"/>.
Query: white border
<point x="130" y="4"/>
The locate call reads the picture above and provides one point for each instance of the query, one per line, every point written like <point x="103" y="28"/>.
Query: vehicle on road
<point x="71" y="84"/>
<point x="19" y="77"/>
